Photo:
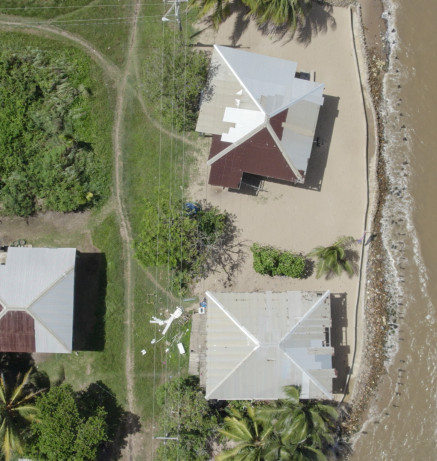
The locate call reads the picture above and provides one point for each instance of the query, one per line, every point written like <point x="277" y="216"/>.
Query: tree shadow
<point x="317" y="21"/>
<point x="242" y="20"/>
<point x="323" y="136"/>
<point x="120" y="423"/>
<point x="309" y="268"/>
<point x="89" y="302"/>
<point x="339" y="341"/>
<point x="14" y="364"/>
<point x="227" y="253"/>
<point x="354" y="258"/>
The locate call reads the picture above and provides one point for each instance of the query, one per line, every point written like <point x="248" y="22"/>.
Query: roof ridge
<point x="292" y="103"/>
<point x="49" y="287"/>
<point x="237" y="324"/>
<point x="235" y="144"/>
<point x="306" y="372"/>
<point x="315" y="306"/>
<point x="37" y="319"/>
<point x="275" y="138"/>
<point x="35" y="315"/>
<point x="232" y="371"/>
<point x="217" y="48"/>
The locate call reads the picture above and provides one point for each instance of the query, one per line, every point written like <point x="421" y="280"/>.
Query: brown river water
<point x="402" y="420"/>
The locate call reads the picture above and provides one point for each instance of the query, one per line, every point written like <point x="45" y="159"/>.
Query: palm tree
<point x="220" y="9"/>
<point x="252" y="439"/>
<point x="304" y="426"/>
<point x="332" y="259"/>
<point x="278" y="12"/>
<point x="17" y="410"/>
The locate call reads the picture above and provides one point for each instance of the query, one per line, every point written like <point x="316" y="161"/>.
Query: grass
<point x="44" y="9"/>
<point x="146" y="152"/>
<point x="99" y="124"/>
<point x="108" y="365"/>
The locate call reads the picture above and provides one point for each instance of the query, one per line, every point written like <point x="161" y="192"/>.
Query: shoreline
<point x="375" y="314"/>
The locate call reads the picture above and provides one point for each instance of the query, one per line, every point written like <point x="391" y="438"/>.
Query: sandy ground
<point x="299" y="218"/>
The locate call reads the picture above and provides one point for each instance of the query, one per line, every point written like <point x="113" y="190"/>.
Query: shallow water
<point x="402" y="424"/>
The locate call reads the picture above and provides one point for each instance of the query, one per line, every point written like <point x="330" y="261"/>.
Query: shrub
<point x="175" y="75"/>
<point x="271" y="261"/>
<point x="186" y="243"/>
<point x="291" y="265"/>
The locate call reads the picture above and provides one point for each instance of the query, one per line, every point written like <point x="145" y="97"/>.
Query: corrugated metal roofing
<point x="245" y="91"/>
<point x="257" y="343"/>
<point x="40" y="282"/>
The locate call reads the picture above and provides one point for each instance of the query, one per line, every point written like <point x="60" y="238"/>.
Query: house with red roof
<point x="261" y="116"/>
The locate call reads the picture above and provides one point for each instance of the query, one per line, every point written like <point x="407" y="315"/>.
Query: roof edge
<point x="236" y="144"/>
<point x="288" y="105"/>
<point x="221" y="307"/>
<point x="309" y="312"/>
<point x="208" y="395"/>
<point x="296" y="172"/>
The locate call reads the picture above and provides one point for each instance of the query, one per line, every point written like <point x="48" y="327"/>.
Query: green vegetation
<point x="277" y="12"/>
<point x="177" y="73"/>
<point x="62" y="432"/>
<point x="17" y="411"/>
<point x="334" y="259"/>
<point x="184" y="242"/>
<point x="250" y="437"/>
<point x="271" y="261"/>
<point x="50" y="158"/>
<point x="289" y="429"/>
<point x="186" y="414"/>
<point x="40" y="8"/>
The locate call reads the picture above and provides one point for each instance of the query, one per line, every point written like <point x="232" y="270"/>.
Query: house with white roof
<point x="257" y="343"/>
<point x="262" y="117"/>
<point x="37" y="299"/>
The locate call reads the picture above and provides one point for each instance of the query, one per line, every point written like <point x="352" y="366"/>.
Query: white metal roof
<point x="246" y="89"/>
<point x="257" y="343"/>
<point x="40" y="281"/>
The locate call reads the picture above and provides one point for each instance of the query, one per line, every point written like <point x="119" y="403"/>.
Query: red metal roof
<point x="17" y="332"/>
<point x="259" y="155"/>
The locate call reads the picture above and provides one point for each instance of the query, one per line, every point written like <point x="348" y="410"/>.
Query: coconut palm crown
<point x="17" y="410"/>
<point x="332" y="260"/>
<point x="250" y="437"/>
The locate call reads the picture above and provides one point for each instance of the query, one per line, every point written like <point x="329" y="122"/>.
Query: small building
<point x="262" y="117"/>
<point x="257" y="343"/>
<point x="37" y="300"/>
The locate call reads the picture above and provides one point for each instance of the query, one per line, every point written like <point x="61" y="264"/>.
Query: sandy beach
<point x="334" y="200"/>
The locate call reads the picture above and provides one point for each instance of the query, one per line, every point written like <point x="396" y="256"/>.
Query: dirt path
<point x="126" y="236"/>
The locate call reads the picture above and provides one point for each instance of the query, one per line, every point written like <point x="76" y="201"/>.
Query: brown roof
<point x="259" y="155"/>
<point x="17" y="332"/>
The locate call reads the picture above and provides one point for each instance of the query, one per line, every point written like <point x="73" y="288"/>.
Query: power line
<point x="75" y="7"/>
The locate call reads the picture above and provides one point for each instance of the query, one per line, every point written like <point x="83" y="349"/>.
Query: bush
<point x="47" y="156"/>
<point x="187" y="414"/>
<point x="271" y="261"/>
<point x="184" y="242"/>
<point x="177" y="73"/>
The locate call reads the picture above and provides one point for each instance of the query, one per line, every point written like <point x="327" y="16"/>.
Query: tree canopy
<point x="47" y="159"/>
<point x="186" y="414"/>
<point x="17" y="411"/>
<point x="290" y="429"/>
<point x="334" y="259"/>
<point x="276" y="12"/>
<point x="62" y="432"/>
<point x="184" y="241"/>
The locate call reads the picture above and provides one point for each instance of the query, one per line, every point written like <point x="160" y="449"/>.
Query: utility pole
<point x="174" y="6"/>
